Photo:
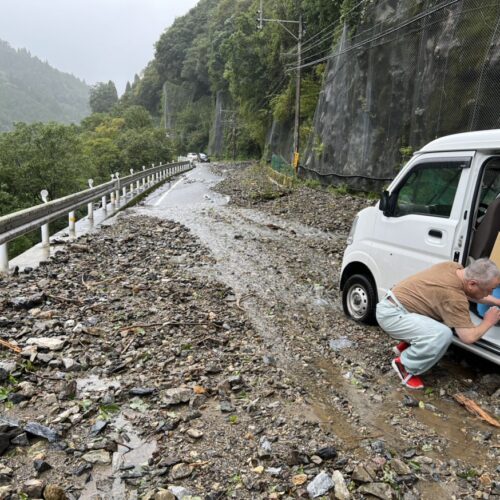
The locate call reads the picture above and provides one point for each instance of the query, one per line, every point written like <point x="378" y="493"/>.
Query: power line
<point x="381" y="35"/>
<point x="337" y="21"/>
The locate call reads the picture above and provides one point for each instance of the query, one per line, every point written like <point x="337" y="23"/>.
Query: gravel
<point x="224" y="368"/>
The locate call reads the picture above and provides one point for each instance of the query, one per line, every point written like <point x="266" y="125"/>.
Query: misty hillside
<point x="32" y="91"/>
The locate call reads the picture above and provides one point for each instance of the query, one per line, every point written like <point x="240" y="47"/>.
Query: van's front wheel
<point x="359" y="299"/>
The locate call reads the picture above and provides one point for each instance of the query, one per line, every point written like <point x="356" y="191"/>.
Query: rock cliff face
<point x="410" y="71"/>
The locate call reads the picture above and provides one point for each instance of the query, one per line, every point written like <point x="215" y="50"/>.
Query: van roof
<point x="467" y="141"/>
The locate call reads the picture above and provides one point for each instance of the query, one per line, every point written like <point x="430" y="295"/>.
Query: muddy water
<point x="282" y="275"/>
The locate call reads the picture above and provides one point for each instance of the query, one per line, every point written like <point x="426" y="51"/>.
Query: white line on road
<point x="172" y="187"/>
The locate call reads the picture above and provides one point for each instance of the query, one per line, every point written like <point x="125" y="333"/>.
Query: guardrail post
<point x="117" y="192"/>
<point x="131" y="187"/>
<point x="90" y="206"/>
<point x="4" y="259"/>
<point x="144" y="178"/>
<point x="45" y="236"/>
<point x="104" y="203"/>
<point x="72" y="224"/>
<point x="44" y="194"/>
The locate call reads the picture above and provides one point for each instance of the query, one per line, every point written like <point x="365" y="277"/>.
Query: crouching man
<point x="421" y="310"/>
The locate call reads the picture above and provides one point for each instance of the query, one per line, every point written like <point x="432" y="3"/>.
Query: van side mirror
<point x="386" y="202"/>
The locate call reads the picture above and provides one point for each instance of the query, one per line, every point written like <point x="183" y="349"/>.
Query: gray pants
<point x="429" y="339"/>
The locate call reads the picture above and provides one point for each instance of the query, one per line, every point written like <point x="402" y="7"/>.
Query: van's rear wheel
<point x="359" y="299"/>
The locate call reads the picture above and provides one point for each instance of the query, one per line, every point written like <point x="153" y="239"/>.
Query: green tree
<point x="41" y="156"/>
<point x="103" y="96"/>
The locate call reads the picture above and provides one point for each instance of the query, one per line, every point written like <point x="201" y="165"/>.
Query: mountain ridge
<point x="33" y="91"/>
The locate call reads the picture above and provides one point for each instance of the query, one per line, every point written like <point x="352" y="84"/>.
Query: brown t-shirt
<point x="438" y="293"/>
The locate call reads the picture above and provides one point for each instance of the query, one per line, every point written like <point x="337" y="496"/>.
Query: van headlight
<point x="350" y="237"/>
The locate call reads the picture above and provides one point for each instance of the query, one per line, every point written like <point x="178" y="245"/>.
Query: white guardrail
<point x="39" y="216"/>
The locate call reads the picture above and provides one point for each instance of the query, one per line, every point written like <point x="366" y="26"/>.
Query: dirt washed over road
<point x="197" y="349"/>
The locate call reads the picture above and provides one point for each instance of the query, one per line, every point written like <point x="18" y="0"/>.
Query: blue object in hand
<point x="482" y="308"/>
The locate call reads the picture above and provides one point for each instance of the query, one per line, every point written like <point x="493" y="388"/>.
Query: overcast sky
<point x="95" y="40"/>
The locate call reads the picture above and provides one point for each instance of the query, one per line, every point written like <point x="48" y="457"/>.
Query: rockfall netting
<point x="409" y="72"/>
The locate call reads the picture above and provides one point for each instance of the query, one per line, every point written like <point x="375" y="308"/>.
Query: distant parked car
<point x="192" y="157"/>
<point x="204" y="158"/>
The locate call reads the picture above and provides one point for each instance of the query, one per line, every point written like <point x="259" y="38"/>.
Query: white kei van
<point x="443" y="205"/>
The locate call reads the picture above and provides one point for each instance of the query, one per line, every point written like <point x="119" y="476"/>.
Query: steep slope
<point x="31" y="90"/>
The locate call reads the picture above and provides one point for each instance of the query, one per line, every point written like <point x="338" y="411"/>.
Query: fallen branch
<point x="10" y="346"/>
<point x="475" y="409"/>
<point x="128" y="345"/>
<point x="239" y="299"/>
<point x="64" y="299"/>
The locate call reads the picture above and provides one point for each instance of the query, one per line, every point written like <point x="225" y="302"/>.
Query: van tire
<point x="359" y="299"/>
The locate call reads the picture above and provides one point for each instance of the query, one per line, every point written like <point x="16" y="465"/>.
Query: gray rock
<point x="341" y="491"/>
<point x="378" y="490"/>
<point x="97" y="457"/>
<point x="27" y="302"/>
<point x="226" y="407"/>
<point x="26" y="389"/>
<point x="361" y="475"/>
<point x="181" y="471"/>
<point x="45" y="357"/>
<point x="5" y="471"/>
<point x="99" y="426"/>
<point x="21" y="440"/>
<point x="70" y="364"/>
<point x="327" y="453"/>
<point x="40" y="430"/>
<point x="33" y="488"/>
<point x="177" y="395"/>
<point x="399" y="467"/>
<point x="265" y="447"/>
<point x="179" y="492"/>
<point x="41" y="466"/>
<point x="6" y="491"/>
<point x="320" y="485"/>
<point x="164" y="495"/>
<point x="49" y="343"/>
<point x="142" y="391"/>
<point x="8" y="366"/>
<point x="194" y="433"/>
<point x="378" y="446"/>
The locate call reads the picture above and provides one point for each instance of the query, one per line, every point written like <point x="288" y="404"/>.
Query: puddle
<point x="340" y="343"/>
<point x="108" y="482"/>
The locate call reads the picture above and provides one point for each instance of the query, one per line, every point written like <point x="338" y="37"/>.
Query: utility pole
<point x="296" y="134"/>
<point x="232" y="121"/>
<point x="298" y="39"/>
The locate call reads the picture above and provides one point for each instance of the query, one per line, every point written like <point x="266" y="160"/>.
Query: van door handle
<point x="435" y="233"/>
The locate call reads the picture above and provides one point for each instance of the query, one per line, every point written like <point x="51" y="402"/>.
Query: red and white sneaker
<point x="407" y="379"/>
<point x="398" y="349"/>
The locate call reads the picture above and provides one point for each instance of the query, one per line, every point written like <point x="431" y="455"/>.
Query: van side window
<point x="429" y="189"/>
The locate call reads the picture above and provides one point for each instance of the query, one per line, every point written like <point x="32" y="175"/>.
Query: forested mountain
<point x="33" y="91"/>
<point x="217" y="50"/>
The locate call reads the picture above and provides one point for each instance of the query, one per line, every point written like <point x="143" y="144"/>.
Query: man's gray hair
<point x="482" y="271"/>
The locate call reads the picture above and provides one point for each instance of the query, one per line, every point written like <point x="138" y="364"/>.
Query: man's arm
<point x="489" y="300"/>
<point x="470" y="335"/>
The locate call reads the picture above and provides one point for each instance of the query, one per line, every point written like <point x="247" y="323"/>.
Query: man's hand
<point x="492" y="316"/>
<point x="470" y="335"/>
